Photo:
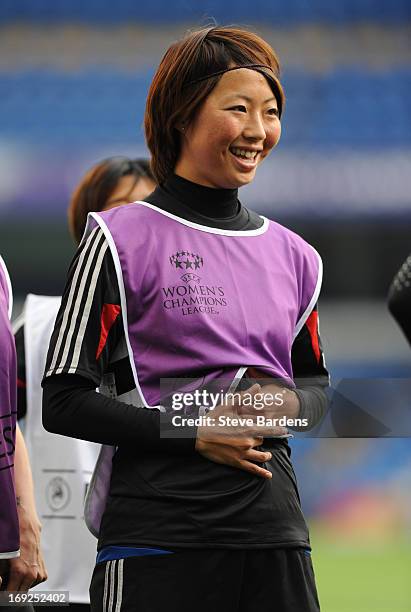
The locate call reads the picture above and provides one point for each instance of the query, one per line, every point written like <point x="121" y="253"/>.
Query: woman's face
<point x="233" y="131"/>
<point x="127" y="190"/>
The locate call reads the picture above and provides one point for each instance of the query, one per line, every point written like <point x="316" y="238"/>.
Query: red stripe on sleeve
<point x="312" y="325"/>
<point x="109" y="314"/>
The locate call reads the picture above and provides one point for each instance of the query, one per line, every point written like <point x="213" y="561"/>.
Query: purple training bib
<point x="9" y="529"/>
<point x="197" y="299"/>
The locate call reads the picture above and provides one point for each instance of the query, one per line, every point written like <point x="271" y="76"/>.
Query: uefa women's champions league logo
<point x="193" y="297"/>
<point x="184" y="261"/>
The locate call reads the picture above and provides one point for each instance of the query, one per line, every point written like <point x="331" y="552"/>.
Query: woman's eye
<point x="274" y="111"/>
<point x="239" y="107"/>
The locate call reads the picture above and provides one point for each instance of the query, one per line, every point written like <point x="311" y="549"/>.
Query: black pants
<point x="207" y="581"/>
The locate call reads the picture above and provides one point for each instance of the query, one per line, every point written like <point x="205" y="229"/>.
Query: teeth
<point x="243" y="153"/>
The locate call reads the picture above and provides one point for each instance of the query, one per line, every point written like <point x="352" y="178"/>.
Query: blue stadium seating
<point x="280" y="12"/>
<point x="346" y="108"/>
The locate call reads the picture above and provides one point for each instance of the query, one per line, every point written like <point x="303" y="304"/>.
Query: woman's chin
<point x="241" y="179"/>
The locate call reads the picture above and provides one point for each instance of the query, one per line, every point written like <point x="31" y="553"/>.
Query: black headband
<point x="213" y="74"/>
<point x="252" y="67"/>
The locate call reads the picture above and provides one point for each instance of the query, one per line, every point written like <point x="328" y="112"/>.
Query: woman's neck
<point x="206" y="201"/>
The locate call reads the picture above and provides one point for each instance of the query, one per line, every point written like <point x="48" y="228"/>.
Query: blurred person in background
<point x="62" y="466"/>
<point x="21" y="563"/>
<point x="9" y="527"/>
<point x="112" y="182"/>
<point x="199" y="521"/>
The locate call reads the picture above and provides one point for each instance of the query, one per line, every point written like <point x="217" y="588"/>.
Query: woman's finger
<point x="252" y="468"/>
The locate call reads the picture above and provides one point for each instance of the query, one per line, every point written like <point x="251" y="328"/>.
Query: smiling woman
<point x="205" y="80"/>
<point x="194" y="517"/>
<point x="235" y="129"/>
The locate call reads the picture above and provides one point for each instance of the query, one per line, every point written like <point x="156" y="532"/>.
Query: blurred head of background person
<point x="110" y="183"/>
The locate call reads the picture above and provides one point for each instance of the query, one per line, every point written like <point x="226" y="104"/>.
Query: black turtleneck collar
<point x="219" y="208"/>
<point x="207" y="201"/>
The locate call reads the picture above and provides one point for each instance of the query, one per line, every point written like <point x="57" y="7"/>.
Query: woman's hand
<point x="276" y="400"/>
<point x="27" y="570"/>
<point x="238" y="452"/>
<point x="234" y="442"/>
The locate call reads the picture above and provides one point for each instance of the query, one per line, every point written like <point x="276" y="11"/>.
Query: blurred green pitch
<point x="355" y="576"/>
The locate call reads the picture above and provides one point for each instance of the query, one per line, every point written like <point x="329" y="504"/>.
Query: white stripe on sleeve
<point x="86" y="311"/>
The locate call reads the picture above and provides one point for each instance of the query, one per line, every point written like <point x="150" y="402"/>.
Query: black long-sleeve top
<point x="399" y="298"/>
<point x="72" y="407"/>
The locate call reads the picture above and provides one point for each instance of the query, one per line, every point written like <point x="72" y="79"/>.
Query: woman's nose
<point x="254" y="129"/>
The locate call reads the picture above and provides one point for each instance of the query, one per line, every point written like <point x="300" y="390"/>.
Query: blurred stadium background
<point x="73" y="80"/>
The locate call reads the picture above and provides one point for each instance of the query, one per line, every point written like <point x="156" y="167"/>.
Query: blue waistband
<point x="110" y="553"/>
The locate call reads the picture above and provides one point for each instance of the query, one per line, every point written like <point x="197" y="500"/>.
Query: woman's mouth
<point x="244" y="153"/>
<point x="245" y="158"/>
